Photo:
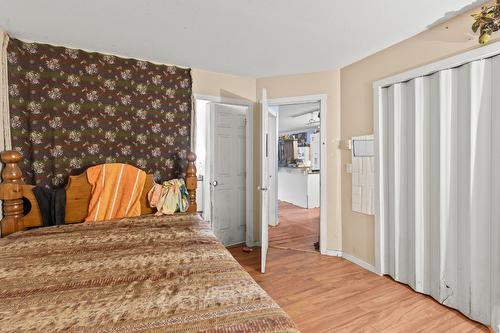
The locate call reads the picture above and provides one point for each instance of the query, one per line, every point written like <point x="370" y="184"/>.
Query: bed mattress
<point x="145" y="274"/>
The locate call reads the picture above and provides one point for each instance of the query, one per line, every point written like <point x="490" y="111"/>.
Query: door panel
<point x="273" y="168"/>
<point x="228" y="172"/>
<point x="241" y="160"/>
<point x="223" y="141"/>
<point x="264" y="180"/>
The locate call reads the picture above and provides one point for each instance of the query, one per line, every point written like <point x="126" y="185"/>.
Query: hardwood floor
<point x="298" y="228"/>
<point x="329" y="294"/>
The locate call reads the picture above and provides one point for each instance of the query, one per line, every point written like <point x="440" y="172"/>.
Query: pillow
<point x="116" y="191"/>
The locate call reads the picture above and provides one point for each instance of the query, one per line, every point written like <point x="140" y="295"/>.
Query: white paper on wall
<point x="363" y="175"/>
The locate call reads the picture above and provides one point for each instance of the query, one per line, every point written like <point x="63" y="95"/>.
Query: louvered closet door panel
<point x="422" y="184"/>
<point x="495" y="194"/>
<point x="401" y="153"/>
<point x="389" y="226"/>
<point x="463" y="198"/>
<point x="394" y="102"/>
<point x="385" y="132"/>
<point x="411" y="107"/>
<point x="419" y="161"/>
<point x="432" y="223"/>
<point x="448" y="186"/>
<point x="480" y="189"/>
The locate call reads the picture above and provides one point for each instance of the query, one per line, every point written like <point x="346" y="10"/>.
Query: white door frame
<point x="479" y="53"/>
<point x="323" y="230"/>
<point x="249" y="155"/>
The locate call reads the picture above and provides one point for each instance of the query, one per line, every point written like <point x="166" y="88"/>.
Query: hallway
<point x="298" y="228"/>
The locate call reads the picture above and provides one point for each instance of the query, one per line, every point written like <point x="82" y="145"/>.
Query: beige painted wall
<point x="439" y="42"/>
<point x="326" y="82"/>
<point x="224" y="85"/>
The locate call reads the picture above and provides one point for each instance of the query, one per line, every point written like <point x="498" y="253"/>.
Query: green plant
<point x="487" y="21"/>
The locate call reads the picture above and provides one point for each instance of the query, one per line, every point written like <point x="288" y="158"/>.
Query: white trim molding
<point x="334" y="253"/>
<point x="479" y="53"/>
<point x="360" y="263"/>
<point x="323" y="225"/>
<point x="353" y="259"/>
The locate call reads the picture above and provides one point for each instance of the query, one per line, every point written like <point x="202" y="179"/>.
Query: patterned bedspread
<point x="146" y="274"/>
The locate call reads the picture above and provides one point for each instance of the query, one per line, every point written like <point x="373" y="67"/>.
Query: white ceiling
<point x="245" y="37"/>
<point x="293" y="117"/>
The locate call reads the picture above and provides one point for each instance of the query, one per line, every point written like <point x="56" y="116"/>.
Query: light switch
<point x="345" y="144"/>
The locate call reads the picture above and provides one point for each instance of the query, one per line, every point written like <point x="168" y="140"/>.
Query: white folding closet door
<point x="495" y="195"/>
<point x="440" y="158"/>
<point x="448" y="183"/>
<point x="430" y="241"/>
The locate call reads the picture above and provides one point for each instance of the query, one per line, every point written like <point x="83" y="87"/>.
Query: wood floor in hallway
<point x="298" y="228"/>
<point x="329" y="294"/>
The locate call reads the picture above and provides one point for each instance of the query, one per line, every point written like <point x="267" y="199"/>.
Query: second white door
<point x="264" y="181"/>
<point x="228" y="172"/>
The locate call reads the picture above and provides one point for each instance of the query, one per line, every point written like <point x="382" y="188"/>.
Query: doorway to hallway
<point x="292" y="185"/>
<point x="294" y="171"/>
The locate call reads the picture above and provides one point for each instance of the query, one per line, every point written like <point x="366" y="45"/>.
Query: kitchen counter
<point x="305" y="169"/>
<point x="299" y="186"/>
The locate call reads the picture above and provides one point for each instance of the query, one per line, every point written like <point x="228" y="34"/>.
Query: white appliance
<point x="304" y="154"/>
<point x="315" y="149"/>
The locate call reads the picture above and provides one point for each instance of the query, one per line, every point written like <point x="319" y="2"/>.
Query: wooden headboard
<point x="78" y="193"/>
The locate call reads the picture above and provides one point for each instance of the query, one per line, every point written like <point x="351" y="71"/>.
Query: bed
<point x="143" y="274"/>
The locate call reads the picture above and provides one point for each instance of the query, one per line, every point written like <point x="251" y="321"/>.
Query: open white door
<point x="264" y="180"/>
<point x="227" y="156"/>
<point x="273" y="167"/>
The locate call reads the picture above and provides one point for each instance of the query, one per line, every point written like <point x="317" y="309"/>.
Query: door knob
<point x="215" y="183"/>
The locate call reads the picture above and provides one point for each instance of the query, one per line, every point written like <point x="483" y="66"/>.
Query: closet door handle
<point x="215" y="183"/>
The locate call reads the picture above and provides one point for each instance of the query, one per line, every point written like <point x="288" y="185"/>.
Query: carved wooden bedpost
<point x="11" y="193"/>
<point x="191" y="182"/>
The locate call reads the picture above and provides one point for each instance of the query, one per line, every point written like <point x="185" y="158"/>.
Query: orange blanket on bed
<point x="116" y="191"/>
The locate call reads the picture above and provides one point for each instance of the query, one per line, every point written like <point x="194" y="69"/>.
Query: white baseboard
<point x="354" y="260"/>
<point x="333" y="253"/>
<point x="341" y="254"/>
<point x="360" y="263"/>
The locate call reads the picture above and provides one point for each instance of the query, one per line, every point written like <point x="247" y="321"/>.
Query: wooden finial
<point x="11" y="172"/>
<point x="11" y="193"/>
<point x="191" y="182"/>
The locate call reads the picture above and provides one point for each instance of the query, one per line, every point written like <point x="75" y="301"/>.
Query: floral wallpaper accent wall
<point x="71" y="109"/>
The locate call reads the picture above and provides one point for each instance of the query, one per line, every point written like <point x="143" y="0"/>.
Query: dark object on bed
<point x="52" y="203"/>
